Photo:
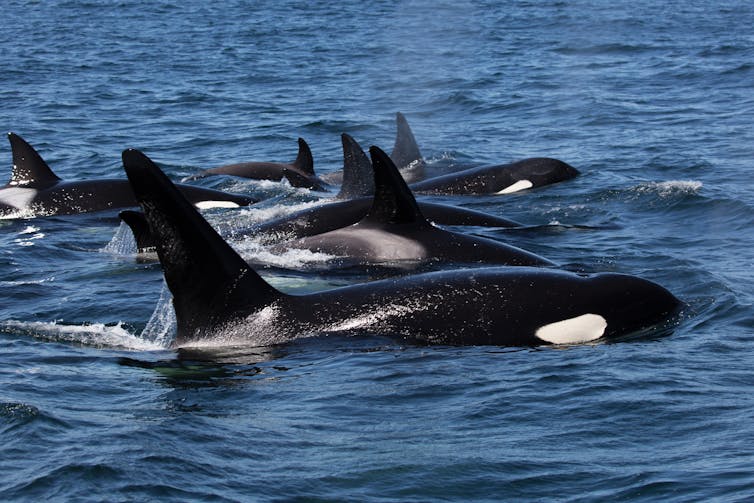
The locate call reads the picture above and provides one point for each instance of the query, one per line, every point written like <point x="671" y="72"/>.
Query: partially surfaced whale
<point x="34" y="190"/>
<point x="220" y="300"/>
<point x="394" y="230"/>
<point x="299" y="172"/>
<point x="500" y="178"/>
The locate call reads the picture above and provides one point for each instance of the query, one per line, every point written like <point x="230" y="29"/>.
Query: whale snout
<point x="636" y="303"/>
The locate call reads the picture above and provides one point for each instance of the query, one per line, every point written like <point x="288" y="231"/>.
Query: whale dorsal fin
<point x="358" y="178"/>
<point x="393" y="201"/>
<point x="139" y="226"/>
<point x="405" y="151"/>
<point x="211" y="284"/>
<point x="304" y="161"/>
<point x="29" y="169"/>
<point x="302" y="181"/>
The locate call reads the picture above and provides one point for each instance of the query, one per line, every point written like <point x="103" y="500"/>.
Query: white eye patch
<point x="584" y="328"/>
<point x="519" y="185"/>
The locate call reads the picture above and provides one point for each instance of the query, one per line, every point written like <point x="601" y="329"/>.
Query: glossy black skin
<point x="299" y="173"/>
<point x="220" y="300"/>
<point x="539" y="171"/>
<point x="396" y="231"/>
<point x="331" y="216"/>
<point x="69" y="198"/>
<point x="488" y="306"/>
<point x="59" y="197"/>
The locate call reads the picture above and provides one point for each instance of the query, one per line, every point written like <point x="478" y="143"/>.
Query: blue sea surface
<point x="653" y="102"/>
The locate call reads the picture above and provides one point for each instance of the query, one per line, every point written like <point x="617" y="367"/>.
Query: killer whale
<point x="405" y="154"/>
<point x="35" y="190"/>
<point x="353" y="202"/>
<point x="299" y="172"/>
<point x="351" y="205"/>
<point x="500" y="178"/>
<point x="221" y="300"/>
<point x="395" y="230"/>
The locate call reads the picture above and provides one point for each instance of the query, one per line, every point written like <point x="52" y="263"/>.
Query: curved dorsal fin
<point x="211" y="284"/>
<point x="137" y="222"/>
<point x="29" y="169"/>
<point x="393" y="201"/>
<point x="405" y="150"/>
<point x="304" y="161"/>
<point x="358" y="178"/>
<point x="303" y="181"/>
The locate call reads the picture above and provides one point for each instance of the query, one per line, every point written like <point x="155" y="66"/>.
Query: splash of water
<point x="96" y="335"/>
<point x="122" y="242"/>
<point x="161" y="327"/>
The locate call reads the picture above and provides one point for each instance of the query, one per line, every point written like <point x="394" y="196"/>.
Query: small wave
<point x="250" y="216"/>
<point x="97" y="335"/>
<point x="670" y="188"/>
<point x="292" y="258"/>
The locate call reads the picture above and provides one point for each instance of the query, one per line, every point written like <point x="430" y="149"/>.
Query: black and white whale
<point x="500" y="178"/>
<point x="394" y="230"/>
<point x="299" y="172"/>
<point x="352" y="204"/>
<point x="34" y="190"/>
<point x="220" y="300"/>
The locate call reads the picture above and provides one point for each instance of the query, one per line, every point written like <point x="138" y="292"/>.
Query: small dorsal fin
<point x="303" y="181"/>
<point x="358" y="177"/>
<point x="393" y="201"/>
<point x="405" y="151"/>
<point x="137" y="222"/>
<point x="304" y="161"/>
<point x="29" y="169"/>
<point x="211" y="284"/>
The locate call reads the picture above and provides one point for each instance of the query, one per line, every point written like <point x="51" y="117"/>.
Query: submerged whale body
<point x="220" y="300"/>
<point x="352" y="204"/>
<point x="354" y="200"/>
<point x="395" y="230"/>
<point x="299" y="172"/>
<point x="34" y="190"/>
<point x="500" y="179"/>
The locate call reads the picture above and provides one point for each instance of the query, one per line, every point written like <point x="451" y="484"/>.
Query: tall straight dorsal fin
<point x="211" y="284"/>
<point x="304" y="161"/>
<point x="393" y="201"/>
<point x="29" y="169"/>
<point x="406" y="150"/>
<point x="139" y="226"/>
<point x="358" y="177"/>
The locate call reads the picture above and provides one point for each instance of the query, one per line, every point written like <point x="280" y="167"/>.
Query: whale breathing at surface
<point x="395" y="230"/>
<point x="299" y="172"/>
<point x="499" y="179"/>
<point x="220" y="300"/>
<point x="34" y="190"/>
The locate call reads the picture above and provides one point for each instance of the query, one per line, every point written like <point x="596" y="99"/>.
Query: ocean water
<point x="652" y="102"/>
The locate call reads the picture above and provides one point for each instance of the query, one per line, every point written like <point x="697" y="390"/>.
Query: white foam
<point x="519" y="185"/>
<point x="585" y="328"/>
<point x="96" y="334"/>
<point x="671" y="187"/>
<point x="264" y="214"/>
<point x="292" y="258"/>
